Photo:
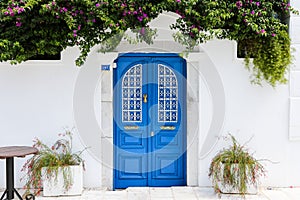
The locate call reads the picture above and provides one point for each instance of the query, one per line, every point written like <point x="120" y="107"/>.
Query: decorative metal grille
<point x="167" y="95"/>
<point x="132" y="95"/>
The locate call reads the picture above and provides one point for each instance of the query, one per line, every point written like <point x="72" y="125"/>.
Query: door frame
<point x="183" y="110"/>
<point x="198" y="64"/>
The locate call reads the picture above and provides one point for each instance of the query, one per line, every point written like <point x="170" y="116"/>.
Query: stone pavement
<point x="177" y="193"/>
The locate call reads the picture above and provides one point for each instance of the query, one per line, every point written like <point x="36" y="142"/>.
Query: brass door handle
<point x="145" y="97"/>
<point x="131" y="127"/>
<point x="169" y="128"/>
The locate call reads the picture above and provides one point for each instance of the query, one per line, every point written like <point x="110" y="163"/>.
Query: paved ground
<point x="177" y="193"/>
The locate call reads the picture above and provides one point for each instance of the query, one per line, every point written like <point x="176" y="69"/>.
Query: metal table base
<point x="10" y="188"/>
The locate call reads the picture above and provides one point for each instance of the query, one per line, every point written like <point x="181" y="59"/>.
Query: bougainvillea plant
<point x="36" y="27"/>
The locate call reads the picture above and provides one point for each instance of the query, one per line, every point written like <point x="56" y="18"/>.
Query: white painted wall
<point x="36" y="100"/>
<point x="39" y="98"/>
<point x="253" y="111"/>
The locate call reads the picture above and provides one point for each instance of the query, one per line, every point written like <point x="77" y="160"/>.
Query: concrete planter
<point x="251" y="189"/>
<point x="54" y="186"/>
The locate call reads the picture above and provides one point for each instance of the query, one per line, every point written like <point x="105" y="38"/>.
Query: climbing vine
<point x="37" y="27"/>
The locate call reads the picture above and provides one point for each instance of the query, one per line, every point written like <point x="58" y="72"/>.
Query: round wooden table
<point x="8" y="153"/>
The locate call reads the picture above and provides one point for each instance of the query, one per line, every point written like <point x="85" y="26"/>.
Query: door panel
<point x="134" y="140"/>
<point x="149" y="120"/>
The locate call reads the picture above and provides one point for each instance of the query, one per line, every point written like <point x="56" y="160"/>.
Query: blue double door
<point x="149" y="120"/>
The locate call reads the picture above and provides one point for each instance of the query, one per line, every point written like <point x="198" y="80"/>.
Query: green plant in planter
<point x="234" y="168"/>
<point x="53" y="157"/>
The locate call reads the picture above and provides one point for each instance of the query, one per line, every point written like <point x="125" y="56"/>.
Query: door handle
<point x="170" y="128"/>
<point x="131" y="127"/>
<point x="145" y="97"/>
<point x="152" y="133"/>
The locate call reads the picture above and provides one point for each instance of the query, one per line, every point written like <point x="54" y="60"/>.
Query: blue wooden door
<point x="149" y="120"/>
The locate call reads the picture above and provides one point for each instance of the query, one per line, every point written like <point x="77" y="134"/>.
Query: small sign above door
<point x="105" y="67"/>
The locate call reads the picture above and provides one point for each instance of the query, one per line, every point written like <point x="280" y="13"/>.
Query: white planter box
<point x="251" y="189"/>
<point x="55" y="187"/>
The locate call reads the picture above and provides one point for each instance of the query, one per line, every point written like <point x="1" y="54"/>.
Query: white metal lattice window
<point x="167" y="95"/>
<point x="132" y="95"/>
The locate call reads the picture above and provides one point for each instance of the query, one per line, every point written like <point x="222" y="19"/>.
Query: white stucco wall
<point x="39" y="98"/>
<point x="252" y="111"/>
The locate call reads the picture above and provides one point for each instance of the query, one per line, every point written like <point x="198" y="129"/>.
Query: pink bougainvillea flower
<point x="239" y="4"/>
<point x="140" y="18"/>
<point x="142" y="31"/>
<point x="18" y="24"/>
